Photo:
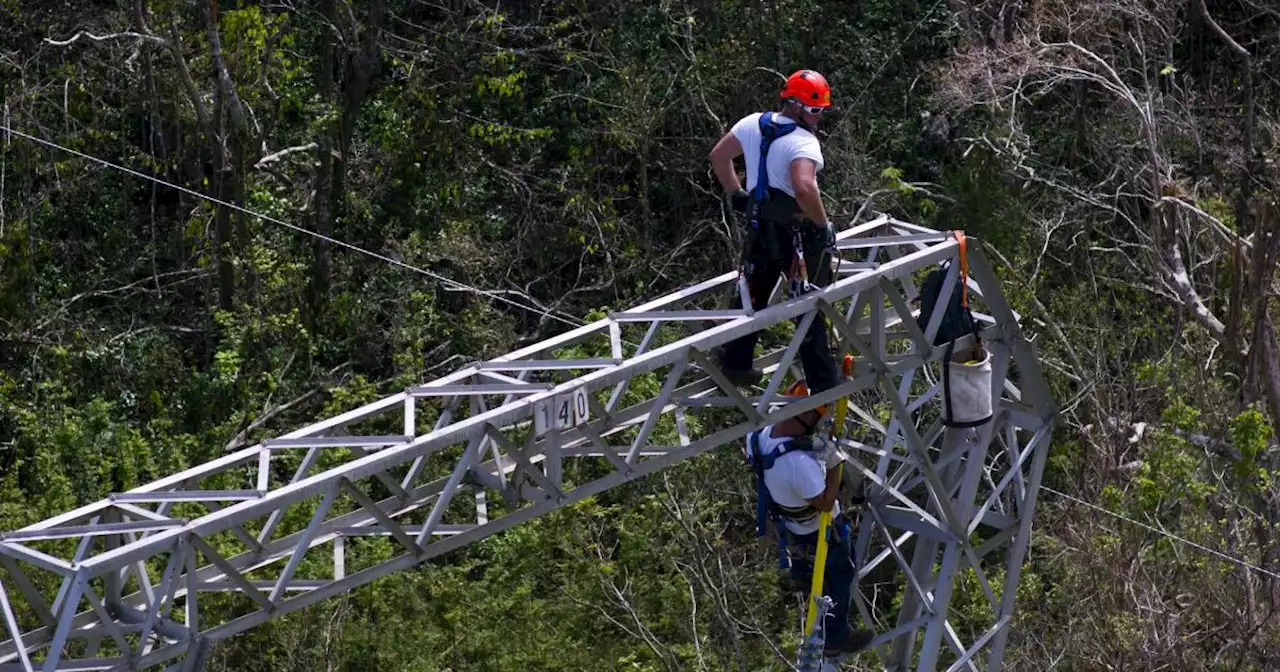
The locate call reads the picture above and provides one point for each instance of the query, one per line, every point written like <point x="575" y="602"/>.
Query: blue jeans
<point x="838" y="578"/>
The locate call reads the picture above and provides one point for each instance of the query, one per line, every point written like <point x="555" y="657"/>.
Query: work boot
<point x="743" y="377"/>
<point x="856" y="641"/>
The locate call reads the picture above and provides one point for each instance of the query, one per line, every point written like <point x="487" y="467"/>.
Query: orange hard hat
<point x="801" y="389"/>
<point x="808" y="87"/>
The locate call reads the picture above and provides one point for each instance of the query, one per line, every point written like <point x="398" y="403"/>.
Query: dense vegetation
<point x="1119" y="156"/>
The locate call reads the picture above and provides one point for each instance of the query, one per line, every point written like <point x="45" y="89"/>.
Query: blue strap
<point x="762" y="492"/>
<point x="763" y="462"/>
<point x="784" y="559"/>
<point x="840" y="530"/>
<point x="769" y="131"/>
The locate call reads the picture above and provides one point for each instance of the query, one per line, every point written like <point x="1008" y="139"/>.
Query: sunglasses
<point x="815" y="111"/>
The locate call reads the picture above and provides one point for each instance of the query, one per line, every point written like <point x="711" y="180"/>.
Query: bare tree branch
<point x="1228" y="236"/>
<point x="241" y="438"/>
<point x="127" y="35"/>
<point x="228" y="87"/>
<point x="272" y="158"/>
<point x="1177" y="276"/>
<point x="184" y="74"/>
<point x="1222" y="34"/>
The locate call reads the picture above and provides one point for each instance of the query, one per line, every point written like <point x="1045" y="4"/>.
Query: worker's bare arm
<point x="804" y="177"/>
<point x="827" y="500"/>
<point x="722" y="156"/>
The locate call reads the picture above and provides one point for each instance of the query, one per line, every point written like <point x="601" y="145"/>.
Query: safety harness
<point x="766" y="507"/>
<point x="770" y="131"/>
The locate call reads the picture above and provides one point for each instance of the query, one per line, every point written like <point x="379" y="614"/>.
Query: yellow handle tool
<point x="824" y="520"/>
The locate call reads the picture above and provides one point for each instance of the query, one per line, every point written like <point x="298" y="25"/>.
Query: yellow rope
<point x="824" y="520"/>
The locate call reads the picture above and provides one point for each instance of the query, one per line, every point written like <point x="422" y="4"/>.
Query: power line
<point x="1175" y="537"/>
<point x="448" y="282"/>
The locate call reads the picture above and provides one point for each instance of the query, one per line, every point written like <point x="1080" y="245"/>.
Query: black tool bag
<point x="957" y="320"/>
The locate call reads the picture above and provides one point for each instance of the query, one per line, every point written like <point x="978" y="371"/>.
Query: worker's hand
<point x="824" y="450"/>
<point x="828" y="234"/>
<point x="834" y="458"/>
<point x="740" y="198"/>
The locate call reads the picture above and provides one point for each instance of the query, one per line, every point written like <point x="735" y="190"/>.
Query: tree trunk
<point x="1262" y="350"/>
<point x="188" y="83"/>
<point x="230" y="132"/>
<point x="236" y="142"/>
<point x="155" y="133"/>
<point x="361" y="66"/>
<point x="1235" y="312"/>
<point x="320" y="211"/>
<point x="1266" y="368"/>
<point x="234" y="108"/>
<point x="222" y="239"/>
<point x="154" y="126"/>
<point x="1080" y="141"/>
<point x="222" y="216"/>
<point x="646" y="214"/>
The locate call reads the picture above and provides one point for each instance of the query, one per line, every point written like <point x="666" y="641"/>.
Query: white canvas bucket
<point x="966" y="388"/>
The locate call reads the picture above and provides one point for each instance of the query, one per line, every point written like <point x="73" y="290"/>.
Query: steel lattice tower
<point x="118" y="584"/>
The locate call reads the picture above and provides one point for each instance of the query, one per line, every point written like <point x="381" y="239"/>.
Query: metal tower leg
<point x="926" y="551"/>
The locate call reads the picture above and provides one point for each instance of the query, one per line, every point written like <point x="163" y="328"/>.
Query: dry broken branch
<point x="241" y="438"/>
<point x="1228" y="236"/>
<point x="127" y="35"/>
<point x="277" y="156"/>
<point x="1178" y="278"/>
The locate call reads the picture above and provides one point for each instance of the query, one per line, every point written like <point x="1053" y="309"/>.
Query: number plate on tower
<point x="561" y="412"/>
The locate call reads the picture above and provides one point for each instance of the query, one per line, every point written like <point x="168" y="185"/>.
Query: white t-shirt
<point x="794" y="479"/>
<point x="798" y="144"/>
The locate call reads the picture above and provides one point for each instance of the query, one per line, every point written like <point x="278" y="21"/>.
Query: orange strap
<point x="964" y="267"/>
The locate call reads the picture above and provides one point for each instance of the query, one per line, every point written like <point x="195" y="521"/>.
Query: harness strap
<point x="973" y="329"/>
<point x="762" y="493"/>
<point x="766" y="506"/>
<point x="760" y="193"/>
<point x="798" y="271"/>
<point x="964" y="267"/>
<point x="769" y="131"/>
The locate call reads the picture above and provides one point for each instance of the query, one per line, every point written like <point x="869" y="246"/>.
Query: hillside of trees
<point x="1118" y="159"/>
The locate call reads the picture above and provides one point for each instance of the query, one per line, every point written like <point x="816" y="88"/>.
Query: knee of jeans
<point x="840" y="556"/>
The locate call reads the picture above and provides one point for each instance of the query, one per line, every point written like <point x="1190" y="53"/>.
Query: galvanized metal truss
<point x="154" y="576"/>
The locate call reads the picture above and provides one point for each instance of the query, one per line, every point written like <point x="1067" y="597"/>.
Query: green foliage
<point x="1251" y="434"/>
<point x="1218" y="207"/>
<point x="1171" y="472"/>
